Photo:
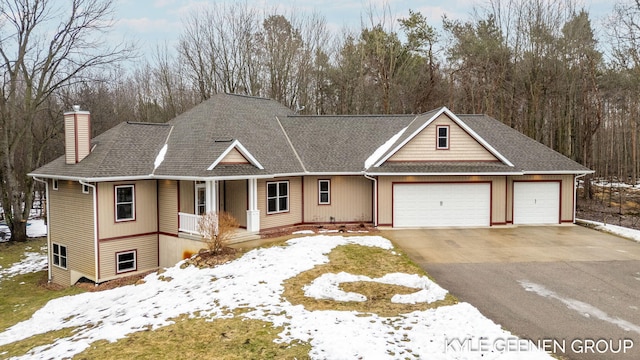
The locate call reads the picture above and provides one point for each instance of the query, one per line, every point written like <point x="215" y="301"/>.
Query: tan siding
<point x="566" y="197"/>
<point x="385" y="191"/>
<point x="235" y="200"/>
<point x="462" y="147"/>
<point x="69" y="139"/>
<point x="234" y="157"/>
<point x="350" y="197"/>
<point x="294" y="216"/>
<point x="146" y="255"/>
<point x="71" y="225"/>
<point x="187" y="196"/>
<point x="146" y="219"/>
<point x="168" y="206"/>
<point x="84" y="137"/>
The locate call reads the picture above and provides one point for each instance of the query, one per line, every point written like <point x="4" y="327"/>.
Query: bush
<point x="217" y="229"/>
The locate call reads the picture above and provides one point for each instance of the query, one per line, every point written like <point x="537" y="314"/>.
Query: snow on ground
<point x="31" y="262"/>
<point x="255" y="282"/>
<point x="35" y="228"/>
<point x="614" y="229"/>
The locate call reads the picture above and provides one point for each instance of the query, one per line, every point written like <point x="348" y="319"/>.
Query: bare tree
<point x="45" y="45"/>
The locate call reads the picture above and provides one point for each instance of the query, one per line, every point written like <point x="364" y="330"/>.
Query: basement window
<point x="60" y="256"/>
<point x="126" y="261"/>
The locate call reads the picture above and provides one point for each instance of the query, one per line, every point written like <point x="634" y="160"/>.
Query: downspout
<point x="375" y="198"/>
<point x="95" y="227"/>
<point x="46" y="191"/>
<point x="575" y="195"/>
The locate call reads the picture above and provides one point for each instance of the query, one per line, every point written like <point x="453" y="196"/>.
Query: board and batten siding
<point x="291" y="217"/>
<point x="71" y="225"/>
<point x="146" y="214"/>
<point x="385" y="193"/>
<point x="462" y="147"/>
<point x="235" y="200"/>
<point x="168" y="206"/>
<point x="566" y="194"/>
<point x="187" y="197"/>
<point x="350" y="200"/>
<point x="146" y="248"/>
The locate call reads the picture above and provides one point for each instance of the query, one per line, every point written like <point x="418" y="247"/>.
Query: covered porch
<point x="238" y="197"/>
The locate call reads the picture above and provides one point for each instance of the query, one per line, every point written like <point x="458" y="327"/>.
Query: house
<point x="128" y="200"/>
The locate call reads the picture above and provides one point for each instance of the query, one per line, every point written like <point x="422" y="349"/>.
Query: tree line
<point x="540" y="66"/>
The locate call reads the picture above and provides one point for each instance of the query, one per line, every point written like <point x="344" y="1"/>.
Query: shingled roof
<point x="283" y="143"/>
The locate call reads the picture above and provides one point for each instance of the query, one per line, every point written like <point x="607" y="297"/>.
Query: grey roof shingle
<point x="284" y="143"/>
<point x="523" y="152"/>
<point x="126" y="150"/>
<point x="340" y="143"/>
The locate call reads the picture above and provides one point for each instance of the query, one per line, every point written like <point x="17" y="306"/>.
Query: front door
<point x="201" y="199"/>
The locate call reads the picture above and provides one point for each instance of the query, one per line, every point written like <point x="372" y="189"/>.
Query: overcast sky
<point x="153" y="23"/>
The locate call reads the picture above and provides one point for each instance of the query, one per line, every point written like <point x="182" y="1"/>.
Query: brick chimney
<point x="77" y="135"/>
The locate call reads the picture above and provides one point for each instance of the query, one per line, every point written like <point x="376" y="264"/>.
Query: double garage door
<point x="445" y="204"/>
<point x="469" y="204"/>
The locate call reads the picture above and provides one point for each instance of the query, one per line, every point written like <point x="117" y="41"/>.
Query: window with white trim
<point x="54" y="184"/>
<point x="125" y="203"/>
<point x="324" y="192"/>
<point x="201" y="198"/>
<point x="85" y="189"/>
<point x="277" y="197"/>
<point x="126" y="261"/>
<point x="59" y="255"/>
<point x="443" y="137"/>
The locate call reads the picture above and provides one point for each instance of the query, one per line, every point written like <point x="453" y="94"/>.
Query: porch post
<point x="253" y="214"/>
<point x="212" y="195"/>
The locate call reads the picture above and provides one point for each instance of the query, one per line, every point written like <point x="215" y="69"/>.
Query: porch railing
<point x="188" y="223"/>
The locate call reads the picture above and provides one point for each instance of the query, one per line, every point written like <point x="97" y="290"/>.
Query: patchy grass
<point x="235" y="338"/>
<point x="22" y="295"/>
<point x="20" y="348"/>
<point x="362" y="260"/>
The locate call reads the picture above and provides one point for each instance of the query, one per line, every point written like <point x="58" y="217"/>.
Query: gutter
<point x="95" y="227"/>
<point x="375" y="198"/>
<point x="46" y="190"/>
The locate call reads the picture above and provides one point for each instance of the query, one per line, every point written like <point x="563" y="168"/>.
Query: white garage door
<point x="536" y="202"/>
<point x="431" y="205"/>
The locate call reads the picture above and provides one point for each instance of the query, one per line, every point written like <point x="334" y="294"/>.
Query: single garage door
<point x="431" y="205"/>
<point x="536" y="202"/>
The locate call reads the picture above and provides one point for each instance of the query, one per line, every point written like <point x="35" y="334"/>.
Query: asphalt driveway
<point x="571" y="290"/>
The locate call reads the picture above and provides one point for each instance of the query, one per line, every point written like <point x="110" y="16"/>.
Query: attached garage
<point x="441" y="204"/>
<point x="536" y="202"/>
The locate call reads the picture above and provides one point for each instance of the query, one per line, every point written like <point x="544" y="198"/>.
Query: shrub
<point x="217" y="229"/>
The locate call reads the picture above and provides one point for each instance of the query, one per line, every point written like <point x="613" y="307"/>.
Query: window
<point x="54" y="184"/>
<point x="126" y="261"/>
<point x="60" y="256"/>
<point x="277" y="197"/>
<point x="125" y="203"/>
<point x="85" y="189"/>
<point x="443" y="137"/>
<point x="324" y="192"/>
<point x="201" y="199"/>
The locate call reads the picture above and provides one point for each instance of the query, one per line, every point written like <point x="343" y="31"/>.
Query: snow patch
<point x="32" y="262"/>
<point x="160" y="157"/>
<point x="382" y="149"/>
<point x="327" y="286"/>
<point x="632" y="234"/>
<point x="255" y="283"/>
<point x="303" y="232"/>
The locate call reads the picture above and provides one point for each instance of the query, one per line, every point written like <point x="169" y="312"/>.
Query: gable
<point x="234" y="157"/>
<point x="461" y="147"/>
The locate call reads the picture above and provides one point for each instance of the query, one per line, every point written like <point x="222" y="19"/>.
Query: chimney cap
<point x="76" y="108"/>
